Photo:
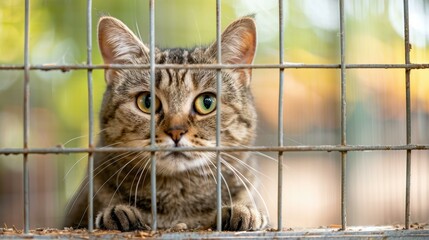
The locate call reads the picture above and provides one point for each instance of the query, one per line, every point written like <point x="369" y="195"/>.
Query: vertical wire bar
<point x="408" y="114"/>
<point x="218" y="118"/>
<point x="280" y="121"/>
<point x="152" y="112"/>
<point x="26" y="117"/>
<point x="90" y="117"/>
<point x="343" y="118"/>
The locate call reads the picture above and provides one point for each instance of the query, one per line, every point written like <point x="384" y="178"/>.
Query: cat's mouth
<point x="177" y="155"/>
<point x="173" y="162"/>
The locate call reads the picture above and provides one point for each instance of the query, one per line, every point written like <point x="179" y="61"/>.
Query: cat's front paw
<point x="120" y="217"/>
<point x="243" y="218"/>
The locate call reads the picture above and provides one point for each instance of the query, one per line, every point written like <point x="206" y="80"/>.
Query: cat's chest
<point x="180" y="195"/>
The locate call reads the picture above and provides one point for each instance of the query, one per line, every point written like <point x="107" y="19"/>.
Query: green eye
<point x="205" y="103"/>
<point x="143" y="102"/>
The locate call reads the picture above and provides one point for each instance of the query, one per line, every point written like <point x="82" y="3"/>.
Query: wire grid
<point x="342" y="148"/>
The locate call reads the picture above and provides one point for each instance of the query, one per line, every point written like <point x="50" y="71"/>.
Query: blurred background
<point x="375" y="101"/>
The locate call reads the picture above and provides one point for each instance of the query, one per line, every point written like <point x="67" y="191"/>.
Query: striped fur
<point x="185" y="181"/>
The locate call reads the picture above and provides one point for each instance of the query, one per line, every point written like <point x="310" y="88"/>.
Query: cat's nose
<point x="176" y="134"/>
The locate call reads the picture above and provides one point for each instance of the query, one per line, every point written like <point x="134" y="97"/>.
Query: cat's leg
<point x="121" y="217"/>
<point x="240" y="217"/>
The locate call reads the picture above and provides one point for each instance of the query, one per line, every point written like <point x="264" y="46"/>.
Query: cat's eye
<point x="205" y="103"/>
<point x="143" y="102"/>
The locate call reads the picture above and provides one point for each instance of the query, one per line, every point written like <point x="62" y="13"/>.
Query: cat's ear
<point x="238" y="45"/>
<point x="118" y="44"/>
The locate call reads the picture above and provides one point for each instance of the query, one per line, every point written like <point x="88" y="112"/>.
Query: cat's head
<point x="185" y="98"/>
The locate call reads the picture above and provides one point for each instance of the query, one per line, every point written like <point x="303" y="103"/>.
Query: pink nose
<point x="176" y="134"/>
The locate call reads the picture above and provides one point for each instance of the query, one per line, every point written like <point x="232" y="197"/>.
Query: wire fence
<point x="343" y="148"/>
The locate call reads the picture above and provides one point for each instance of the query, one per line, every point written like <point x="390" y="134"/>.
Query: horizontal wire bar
<point x="67" y="68"/>
<point x="301" y="148"/>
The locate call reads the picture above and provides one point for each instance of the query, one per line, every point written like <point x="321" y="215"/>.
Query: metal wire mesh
<point x="343" y="148"/>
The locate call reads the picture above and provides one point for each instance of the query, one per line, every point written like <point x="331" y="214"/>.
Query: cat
<point x="185" y="116"/>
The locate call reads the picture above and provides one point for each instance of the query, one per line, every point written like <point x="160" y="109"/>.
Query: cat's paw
<point x="120" y="217"/>
<point x="243" y="218"/>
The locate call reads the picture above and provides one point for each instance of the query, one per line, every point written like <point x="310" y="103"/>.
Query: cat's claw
<point x="243" y="218"/>
<point x="120" y="217"/>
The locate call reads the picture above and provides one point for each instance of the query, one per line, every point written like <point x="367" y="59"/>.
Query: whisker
<point x="71" y="168"/>
<point x="251" y="168"/>
<point x="118" y="173"/>
<point x="243" y="163"/>
<point x="74" y="165"/>
<point x="75" y="138"/>
<point x="261" y="154"/>
<point x="232" y="168"/>
<point x="236" y="173"/>
<point x="108" y="163"/>
<point x="80" y="137"/>
<point x="138" y="181"/>
<point x="99" y="189"/>
<point x="223" y="179"/>
<point x="82" y="188"/>
<point x="205" y="166"/>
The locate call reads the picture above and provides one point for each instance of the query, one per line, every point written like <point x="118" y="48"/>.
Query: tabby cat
<point x="185" y="117"/>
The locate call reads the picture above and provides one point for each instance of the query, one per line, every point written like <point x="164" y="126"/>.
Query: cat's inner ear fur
<point x="238" y="45"/>
<point x="119" y="45"/>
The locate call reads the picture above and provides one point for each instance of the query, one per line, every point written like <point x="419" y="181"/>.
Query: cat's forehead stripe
<point x="179" y="56"/>
<point x="170" y="74"/>
<point x="166" y="55"/>
<point x="185" y="56"/>
<point x="188" y="80"/>
<point x="162" y="80"/>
